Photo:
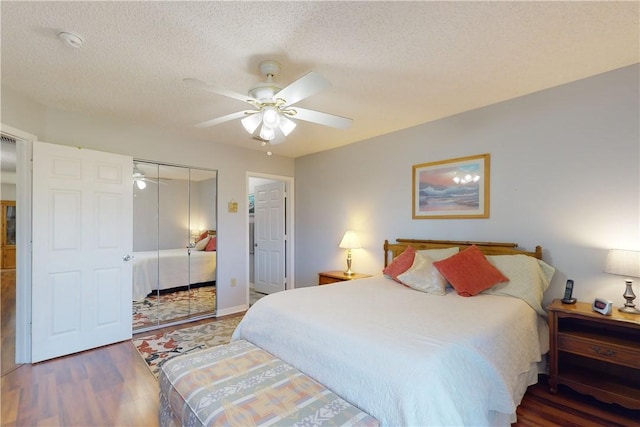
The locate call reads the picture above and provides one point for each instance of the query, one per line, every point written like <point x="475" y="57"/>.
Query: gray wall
<point x="564" y="175"/>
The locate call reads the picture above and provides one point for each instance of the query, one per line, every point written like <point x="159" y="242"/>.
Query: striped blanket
<point x="240" y="384"/>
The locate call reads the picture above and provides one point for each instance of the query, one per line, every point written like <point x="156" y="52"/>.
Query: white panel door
<point x="270" y="238"/>
<point x="82" y="230"/>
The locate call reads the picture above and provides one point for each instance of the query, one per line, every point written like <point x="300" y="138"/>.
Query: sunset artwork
<point x="456" y="188"/>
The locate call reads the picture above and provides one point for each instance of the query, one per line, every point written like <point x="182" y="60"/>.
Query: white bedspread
<point x="176" y="268"/>
<point x="407" y="358"/>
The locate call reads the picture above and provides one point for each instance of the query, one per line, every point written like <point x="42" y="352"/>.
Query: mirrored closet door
<point x="175" y="244"/>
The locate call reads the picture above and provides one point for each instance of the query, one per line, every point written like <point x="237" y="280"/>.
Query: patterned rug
<point x="157" y="348"/>
<point x="171" y="306"/>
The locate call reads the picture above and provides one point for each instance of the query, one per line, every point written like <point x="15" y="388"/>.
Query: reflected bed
<point x="176" y="268"/>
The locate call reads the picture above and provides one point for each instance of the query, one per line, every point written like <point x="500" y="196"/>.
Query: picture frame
<point x="454" y="188"/>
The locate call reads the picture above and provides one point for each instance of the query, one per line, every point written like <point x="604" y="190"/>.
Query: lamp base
<point x="629" y="310"/>
<point x="629" y="306"/>
<point x="348" y="272"/>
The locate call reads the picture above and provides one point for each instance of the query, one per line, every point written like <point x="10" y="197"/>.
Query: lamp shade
<point x="623" y="263"/>
<point x="350" y="240"/>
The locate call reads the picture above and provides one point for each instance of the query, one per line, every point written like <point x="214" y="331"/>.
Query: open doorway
<point x="8" y="192"/>
<point x="16" y="171"/>
<point x="270" y="234"/>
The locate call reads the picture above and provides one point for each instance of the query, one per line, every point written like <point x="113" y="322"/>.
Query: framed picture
<point x="455" y="188"/>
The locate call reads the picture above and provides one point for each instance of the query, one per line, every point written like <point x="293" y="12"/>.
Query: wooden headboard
<point x="488" y="248"/>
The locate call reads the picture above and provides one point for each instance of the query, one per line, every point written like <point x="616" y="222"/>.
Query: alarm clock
<point x="602" y="306"/>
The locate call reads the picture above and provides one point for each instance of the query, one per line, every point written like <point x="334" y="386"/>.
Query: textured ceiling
<point x="392" y="65"/>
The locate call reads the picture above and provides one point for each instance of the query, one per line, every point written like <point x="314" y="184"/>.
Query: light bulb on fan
<point x="267" y="133"/>
<point x="270" y="117"/>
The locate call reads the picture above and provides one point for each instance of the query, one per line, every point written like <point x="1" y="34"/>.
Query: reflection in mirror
<point x="174" y="269"/>
<point x="203" y="232"/>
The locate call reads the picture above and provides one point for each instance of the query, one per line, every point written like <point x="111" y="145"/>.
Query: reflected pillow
<point x="211" y="246"/>
<point x="469" y="272"/>
<point x="201" y="244"/>
<point x="423" y="276"/>
<point x="202" y="236"/>
<point x="400" y="264"/>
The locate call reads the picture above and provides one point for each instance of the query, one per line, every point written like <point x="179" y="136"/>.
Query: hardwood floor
<point x="568" y="408"/>
<point x="108" y="386"/>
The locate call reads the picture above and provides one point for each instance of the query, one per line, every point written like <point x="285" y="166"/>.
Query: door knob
<point x="128" y="257"/>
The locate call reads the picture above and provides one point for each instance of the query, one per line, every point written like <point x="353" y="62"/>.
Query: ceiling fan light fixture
<point x="251" y="123"/>
<point x="267" y="133"/>
<point x="270" y="117"/>
<point x="286" y="125"/>
<point x="140" y="184"/>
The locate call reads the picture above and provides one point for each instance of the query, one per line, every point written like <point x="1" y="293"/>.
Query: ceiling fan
<point x="140" y="178"/>
<point x="273" y="108"/>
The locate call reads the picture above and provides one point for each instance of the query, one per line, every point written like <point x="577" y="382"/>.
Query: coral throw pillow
<point x="211" y="246"/>
<point x="400" y="264"/>
<point x="469" y="272"/>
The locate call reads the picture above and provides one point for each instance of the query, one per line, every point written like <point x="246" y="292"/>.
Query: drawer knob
<point x="603" y="352"/>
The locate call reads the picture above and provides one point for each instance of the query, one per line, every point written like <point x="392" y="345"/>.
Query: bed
<point x="171" y="268"/>
<point x="410" y="357"/>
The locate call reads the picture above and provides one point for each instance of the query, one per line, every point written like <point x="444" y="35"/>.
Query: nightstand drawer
<point x="600" y="350"/>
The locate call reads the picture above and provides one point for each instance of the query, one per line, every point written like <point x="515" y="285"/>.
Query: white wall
<point x="564" y="175"/>
<point x="163" y="145"/>
<point x="7" y="191"/>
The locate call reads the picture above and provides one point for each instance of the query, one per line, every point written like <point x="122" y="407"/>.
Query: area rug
<point x="155" y="310"/>
<point x="157" y="349"/>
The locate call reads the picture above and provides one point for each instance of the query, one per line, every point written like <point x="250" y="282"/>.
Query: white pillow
<point x="528" y="277"/>
<point x="423" y="276"/>
<point x="202" y="244"/>
<point x="440" y="254"/>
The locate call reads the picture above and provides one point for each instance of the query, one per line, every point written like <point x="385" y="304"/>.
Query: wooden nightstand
<point x="327" y="277"/>
<point x="595" y="354"/>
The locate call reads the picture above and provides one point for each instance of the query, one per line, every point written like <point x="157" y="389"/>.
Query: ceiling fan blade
<point x="222" y="119"/>
<point x="219" y="90"/>
<point x="322" y="118"/>
<point x="307" y="85"/>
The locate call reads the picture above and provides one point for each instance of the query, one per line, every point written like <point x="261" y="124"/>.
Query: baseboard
<point x="232" y="310"/>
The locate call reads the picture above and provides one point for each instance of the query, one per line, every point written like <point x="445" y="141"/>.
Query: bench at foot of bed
<point x="241" y="384"/>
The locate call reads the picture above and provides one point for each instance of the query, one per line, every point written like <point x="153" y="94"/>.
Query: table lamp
<point x="625" y="263"/>
<point x="349" y="241"/>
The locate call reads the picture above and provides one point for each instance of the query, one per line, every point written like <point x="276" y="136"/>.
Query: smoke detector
<point x="71" y="39"/>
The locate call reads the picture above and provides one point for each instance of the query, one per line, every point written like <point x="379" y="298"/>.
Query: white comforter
<point x="403" y="356"/>
<point x="176" y="268"/>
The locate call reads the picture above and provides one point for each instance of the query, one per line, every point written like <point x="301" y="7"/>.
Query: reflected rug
<point x="157" y="348"/>
<point x="170" y="306"/>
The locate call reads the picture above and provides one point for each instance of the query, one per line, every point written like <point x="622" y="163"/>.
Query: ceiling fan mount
<point x="266" y="90"/>
<point x="273" y="106"/>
